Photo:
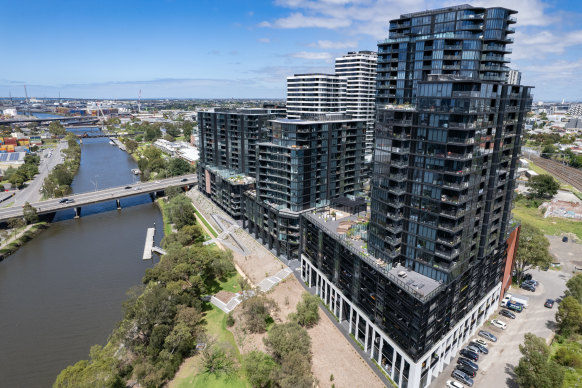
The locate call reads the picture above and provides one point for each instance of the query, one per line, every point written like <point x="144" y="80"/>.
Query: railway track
<point x="569" y="175"/>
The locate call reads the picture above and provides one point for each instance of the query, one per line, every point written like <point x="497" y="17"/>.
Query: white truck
<point x="516" y="299"/>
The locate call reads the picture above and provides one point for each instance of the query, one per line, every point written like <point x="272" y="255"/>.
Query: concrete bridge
<point x="77" y="201"/>
<point x="63" y="120"/>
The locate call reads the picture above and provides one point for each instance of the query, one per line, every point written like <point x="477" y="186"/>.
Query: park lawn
<point x="216" y="327"/>
<point x="551" y="225"/>
<point x="572" y="376"/>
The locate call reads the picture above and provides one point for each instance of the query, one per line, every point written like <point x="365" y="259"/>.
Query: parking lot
<point x="496" y="368"/>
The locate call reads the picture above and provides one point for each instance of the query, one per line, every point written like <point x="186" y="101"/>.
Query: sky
<point x="241" y="49"/>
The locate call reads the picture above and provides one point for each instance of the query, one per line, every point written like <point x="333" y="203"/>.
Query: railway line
<point x="569" y="175"/>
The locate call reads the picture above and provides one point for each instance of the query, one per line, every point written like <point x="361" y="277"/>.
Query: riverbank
<point x="21" y="237"/>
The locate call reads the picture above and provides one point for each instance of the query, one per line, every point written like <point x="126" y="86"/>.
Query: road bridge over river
<point x="77" y="201"/>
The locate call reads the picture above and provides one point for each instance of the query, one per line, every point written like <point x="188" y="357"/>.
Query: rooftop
<point x="417" y="285"/>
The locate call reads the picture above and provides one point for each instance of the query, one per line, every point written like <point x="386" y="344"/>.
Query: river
<point x="61" y="293"/>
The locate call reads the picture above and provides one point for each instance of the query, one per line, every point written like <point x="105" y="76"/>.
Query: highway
<point x="111" y="194"/>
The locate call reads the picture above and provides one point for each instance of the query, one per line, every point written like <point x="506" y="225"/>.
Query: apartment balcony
<point x="511" y="20"/>
<point x="510" y="30"/>
<point x="400" y="136"/>
<point x="497" y="78"/>
<point x="452" y="241"/>
<point x="396" y="190"/>
<point x="398" y="177"/>
<point x="399" y="164"/>
<point x="453" y="213"/>
<point x="455" y="185"/>
<point x="453" y="47"/>
<point x="394" y="253"/>
<point x="494" y="68"/>
<point x="400" y="150"/>
<point x="495" y="58"/>
<point x="451" y="67"/>
<point x="497" y="47"/>
<point x="392" y="240"/>
<point x="449" y="227"/>
<point x="455" y="124"/>
<point x="395" y="216"/>
<point x="454" y="200"/>
<point x="394" y="228"/>
<point x="462" y="156"/>
<point x="450" y="255"/>
<point x="452" y="57"/>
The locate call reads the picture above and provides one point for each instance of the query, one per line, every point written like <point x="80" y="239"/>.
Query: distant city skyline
<point x="228" y="49"/>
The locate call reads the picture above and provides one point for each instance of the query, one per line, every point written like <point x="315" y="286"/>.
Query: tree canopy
<point x="532" y="250"/>
<point x="307" y="314"/>
<point x="535" y="368"/>
<point x="569" y="316"/>
<point x="543" y="186"/>
<point x="574" y="286"/>
<point x="57" y="129"/>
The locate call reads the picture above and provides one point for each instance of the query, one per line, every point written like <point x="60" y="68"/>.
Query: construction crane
<point x="27" y="100"/>
<point x="103" y="115"/>
<point x="138" y="102"/>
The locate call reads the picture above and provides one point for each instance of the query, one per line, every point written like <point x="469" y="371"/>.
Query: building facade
<point x="227" y="144"/>
<point x="315" y="93"/>
<point x="447" y="143"/>
<point x="463" y="40"/>
<point x="305" y="164"/>
<point x="514" y="77"/>
<point x="359" y="71"/>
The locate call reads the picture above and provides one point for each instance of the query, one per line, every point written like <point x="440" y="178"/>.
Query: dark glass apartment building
<point x="448" y="136"/>
<point x="228" y="158"/>
<point x="305" y="164"/>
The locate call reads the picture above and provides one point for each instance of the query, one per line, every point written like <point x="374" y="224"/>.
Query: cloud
<point x="327" y="45"/>
<point x="214" y="52"/>
<point x="544" y="43"/>
<point x="264" y="40"/>
<point x="264" y="24"/>
<point x="299" y="20"/>
<point x="313" y="56"/>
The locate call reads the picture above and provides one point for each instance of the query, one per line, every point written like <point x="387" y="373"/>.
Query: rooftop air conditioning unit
<point x="402" y="274"/>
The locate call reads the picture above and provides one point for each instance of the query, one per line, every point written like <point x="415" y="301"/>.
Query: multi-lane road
<point x="111" y="194"/>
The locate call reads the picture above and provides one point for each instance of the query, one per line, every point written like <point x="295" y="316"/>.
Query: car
<point x="471" y="355"/>
<point x="549" y="303"/>
<point x="462" y="377"/>
<point x="466" y="370"/>
<point x="528" y="287"/>
<point x="527" y="276"/>
<point x="137" y="188"/>
<point x="565" y="239"/>
<point x="183" y="180"/>
<point x="515" y="306"/>
<point x="70" y="201"/>
<point x="507" y="313"/>
<point x="467" y="362"/>
<point x="64" y="200"/>
<point x="480" y="342"/>
<point x="500" y="324"/>
<point x="127" y="187"/>
<point x="473" y="348"/>
<point x="485" y="334"/>
<point x="481" y="348"/>
<point x="532" y="282"/>
<point x="454" y="384"/>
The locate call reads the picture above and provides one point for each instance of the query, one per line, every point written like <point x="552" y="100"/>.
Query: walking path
<point x="8" y="241"/>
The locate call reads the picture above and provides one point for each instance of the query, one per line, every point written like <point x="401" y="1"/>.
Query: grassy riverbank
<point x="21" y="238"/>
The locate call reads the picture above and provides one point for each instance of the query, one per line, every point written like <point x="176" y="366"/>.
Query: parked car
<point x="467" y="362"/>
<point x="527" y="276"/>
<point x="507" y="313"/>
<point x="462" y="377"/>
<point x="471" y="355"/>
<point x="64" y="200"/>
<point x="480" y="341"/>
<point x="473" y="348"/>
<point x="70" y="201"/>
<point x="485" y="334"/>
<point x="454" y="384"/>
<point x="549" y="303"/>
<point x="531" y="282"/>
<point x="528" y="287"/>
<point x="482" y="349"/>
<point x="514" y="306"/>
<point x="499" y="324"/>
<point x="183" y="180"/>
<point x="127" y="187"/>
<point x="466" y="370"/>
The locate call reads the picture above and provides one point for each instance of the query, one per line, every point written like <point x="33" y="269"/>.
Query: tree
<point x="131" y="145"/>
<point x="569" y="316"/>
<point x="307" y="310"/>
<point x="217" y="359"/>
<point x="178" y="166"/>
<point x="535" y="368"/>
<point x="30" y="215"/>
<point x="256" y="311"/>
<point x="574" y="286"/>
<point x="532" y="251"/>
<point x="295" y="372"/>
<point x="260" y="368"/>
<point x="57" y="129"/>
<point x="548" y="151"/>
<point x="286" y="338"/>
<point x="181" y="211"/>
<point x="18" y="178"/>
<point x="187" y="127"/>
<point x="172" y="130"/>
<point x="543" y="186"/>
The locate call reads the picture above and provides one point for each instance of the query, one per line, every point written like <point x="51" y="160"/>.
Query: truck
<point x="515" y="299"/>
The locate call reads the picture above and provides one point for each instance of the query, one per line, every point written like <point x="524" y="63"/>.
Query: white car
<point x="499" y="324"/>
<point x="454" y="384"/>
<point x="481" y="342"/>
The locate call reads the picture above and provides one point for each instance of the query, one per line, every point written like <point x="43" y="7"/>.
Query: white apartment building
<point x="315" y="93"/>
<point x="514" y="77"/>
<point x="359" y="71"/>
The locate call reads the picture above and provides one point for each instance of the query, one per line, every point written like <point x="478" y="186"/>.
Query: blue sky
<point x="223" y="49"/>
